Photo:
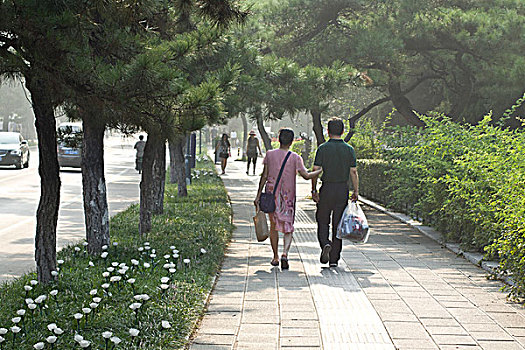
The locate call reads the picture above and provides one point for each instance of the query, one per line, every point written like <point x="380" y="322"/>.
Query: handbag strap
<point x="281" y="172"/>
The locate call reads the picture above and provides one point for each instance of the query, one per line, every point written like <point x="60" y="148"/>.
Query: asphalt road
<point x="19" y="195"/>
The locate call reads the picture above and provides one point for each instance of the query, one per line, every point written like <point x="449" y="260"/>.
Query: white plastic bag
<point x="353" y="225"/>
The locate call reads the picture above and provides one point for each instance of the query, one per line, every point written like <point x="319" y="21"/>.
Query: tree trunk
<point x="179" y="165"/>
<point x="403" y="105"/>
<point x="244" y="135"/>
<point x="146" y="183"/>
<point x="260" y="125"/>
<point x="96" y="212"/>
<point x="159" y="178"/>
<point x="318" y="127"/>
<point x="47" y="212"/>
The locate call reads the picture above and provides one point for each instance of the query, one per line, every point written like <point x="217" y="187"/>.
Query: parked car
<point x="70" y="145"/>
<point x="13" y="150"/>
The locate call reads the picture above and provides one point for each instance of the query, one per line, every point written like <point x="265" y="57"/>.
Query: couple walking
<point x="337" y="161"/>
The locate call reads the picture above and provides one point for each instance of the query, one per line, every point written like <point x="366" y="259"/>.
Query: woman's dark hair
<point x="225" y="136"/>
<point x="336" y="126"/>
<point x="286" y="136"/>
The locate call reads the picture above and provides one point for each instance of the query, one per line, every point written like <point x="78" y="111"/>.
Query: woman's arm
<point x="310" y="175"/>
<point x="262" y="182"/>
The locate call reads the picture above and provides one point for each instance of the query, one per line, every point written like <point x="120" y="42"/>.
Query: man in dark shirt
<point x="338" y="160"/>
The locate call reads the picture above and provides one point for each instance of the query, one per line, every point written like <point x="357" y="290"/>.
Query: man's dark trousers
<point x="333" y="199"/>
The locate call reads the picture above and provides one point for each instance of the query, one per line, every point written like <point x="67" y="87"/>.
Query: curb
<point x="474" y="257"/>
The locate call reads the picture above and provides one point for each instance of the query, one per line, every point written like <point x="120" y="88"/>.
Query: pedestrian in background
<point x="252" y="147"/>
<point x="224" y="149"/>
<point x="282" y="220"/>
<point x="338" y="161"/>
<point x="139" y="146"/>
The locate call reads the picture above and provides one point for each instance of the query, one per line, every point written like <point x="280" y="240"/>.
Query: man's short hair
<point x="336" y="126"/>
<point x="141" y="137"/>
<point x="286" y="136"/>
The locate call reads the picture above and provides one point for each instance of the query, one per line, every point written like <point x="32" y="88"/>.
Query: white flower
<point x="21" y="312"/>
<point x="147" y="247"/>
<point x="165" y="324"/>
<point x="122" y="265"/>
<point x="122" y="271"/>
<point x="93" y="305"/>
<point x="167" y="256"/>
<point x="164" y="286"/>
<point x="39" y="345"/>
<point x="3" y="331"/>
<point x="31" y="306"/>
<point x="33" y="282"/>
<point x="104" y="247"/>
<point x="133" y="332"/>
<point x="135" y="306"/>
<point x="84" y="343"/>
<point x="105" y="274"/>
<point x="172" y="270"/>
<point x="40" y="299"/>
<point x="16" y="319"/>
<point x="78" y="338"/>
<point x="203" y="251"/>
<point x="97" y="300"/>
<point x="86" y="310"/>
<point x="29" y="301"/>
<point x="93" y="292"/>
<point x="164" y="279"/>
<point x="141" y="249"/>
<point x="115" y="244"/>
<point x="115" y="340"/>
<point x="166" y="266"/>
<point x="77" y="249"/>
<point x="78" y="316"/>
<point x="85" y="244"/>
<point x="134" y="262"/>
<point x="107" y="335"/>
<point x="104" y="255"/>
<point x="105" y="285"/>
<point x="28" y="288"/>
<point x="114" y="264"/>
<point x="172" y="247"/>
<point x="58" y="331"/>
<point x="115" y="278"/>
<point x="51" y="339"/>
<point x="51" y="326"/>
<point x="15" y="329"/>
<point x="146" y="243"/>
<point x="153" y="256"/>
<point x="145" y="297"/>
<point x="175" y="255"/>
<point x="111" y="269"/>
<point x="54" y="292"/>
<point x="60" y="262"/>
<point x="131" y="281"/>
<point x="186" y="261"/>
<point x="55" y="273"/>
<point x="146" y="265"/>
<point x="91" y="263"/>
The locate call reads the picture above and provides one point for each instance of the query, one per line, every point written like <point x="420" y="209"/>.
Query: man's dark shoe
<point x="333" y="264"/>
<point x="325" y="254"/>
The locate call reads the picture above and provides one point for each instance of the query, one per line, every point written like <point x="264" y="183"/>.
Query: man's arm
<point x="315" y="194"/>
<point x="354" y="177"/>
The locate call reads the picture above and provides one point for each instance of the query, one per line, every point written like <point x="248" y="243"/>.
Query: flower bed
<point x="141" y="293"/>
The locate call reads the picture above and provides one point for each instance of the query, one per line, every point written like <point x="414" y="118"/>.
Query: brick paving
<point x="401" y="290"/>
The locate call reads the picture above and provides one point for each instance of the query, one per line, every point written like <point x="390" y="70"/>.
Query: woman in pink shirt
<point x="282" y="220"/>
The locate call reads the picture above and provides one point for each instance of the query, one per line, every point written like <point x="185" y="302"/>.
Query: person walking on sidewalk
<point x="338" y="161"/>
<point x="223" y="147"/>
<point x="282" y="220"/>
<point x="251" y="151"/>
<point x="139" y="146"/>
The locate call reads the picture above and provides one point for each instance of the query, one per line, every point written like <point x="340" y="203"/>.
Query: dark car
<point x="70" y="145"/>
<point x="13" y="150"/>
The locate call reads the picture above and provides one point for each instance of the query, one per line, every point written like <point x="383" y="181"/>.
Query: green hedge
<point x="198" y="227"/>
<point x="468" y="180"/>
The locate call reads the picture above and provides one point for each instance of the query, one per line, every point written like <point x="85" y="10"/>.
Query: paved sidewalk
<point x="399" y="291"/>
